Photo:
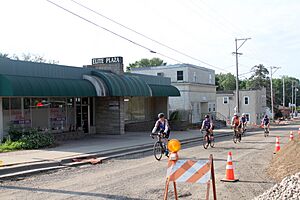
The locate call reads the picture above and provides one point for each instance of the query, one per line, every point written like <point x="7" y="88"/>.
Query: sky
<point x="204" y="30"/>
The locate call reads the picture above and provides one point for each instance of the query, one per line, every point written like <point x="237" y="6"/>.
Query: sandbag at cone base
<point x="277" y="145"/>
<point x="229" y="177"/>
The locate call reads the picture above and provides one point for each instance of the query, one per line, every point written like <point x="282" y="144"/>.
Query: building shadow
<point x="68" y="192"/>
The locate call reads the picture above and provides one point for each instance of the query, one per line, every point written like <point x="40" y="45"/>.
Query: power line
<point x="114" y="33"/>
<point x="147" y="37"/>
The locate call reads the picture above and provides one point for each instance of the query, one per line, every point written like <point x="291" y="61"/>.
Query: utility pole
<point x="296" y="90"/>
<point x="237" y="70"/>
<point x="283" y="92"/>
<point x="272" y="97"/>
<point x="292" y="98"/>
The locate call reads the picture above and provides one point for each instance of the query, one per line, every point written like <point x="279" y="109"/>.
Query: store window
<point x="5" y="103"/>
<point x="179" y="75"/>
<point x="135" y="109"/>
<point x="15" y="103"/>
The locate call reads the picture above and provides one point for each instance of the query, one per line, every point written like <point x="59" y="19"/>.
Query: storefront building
<point x="98" y="98"/>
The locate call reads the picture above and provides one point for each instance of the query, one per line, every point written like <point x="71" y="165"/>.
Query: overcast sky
<point x="203" y="29"/>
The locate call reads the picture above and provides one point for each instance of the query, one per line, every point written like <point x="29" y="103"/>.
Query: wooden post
<point x="175" y="191"/>
<point x="213" y="177"/>
<point x="207" y="190"/>
<point x="167" y="189"/>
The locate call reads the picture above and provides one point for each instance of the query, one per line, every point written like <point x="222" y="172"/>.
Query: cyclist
<point x="265" y="121"/>
<point x="163" y="127"/>
<point x="207" y="125"/>
<point x="236" y="123"/>
<point x="244" y="121"/>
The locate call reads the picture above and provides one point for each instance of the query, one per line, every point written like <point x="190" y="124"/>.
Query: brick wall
<point x="109" y="115"/>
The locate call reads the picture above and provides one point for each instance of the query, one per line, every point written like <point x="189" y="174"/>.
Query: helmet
<point x="161" y="115"/>
<point x="266" y="116"/>
<point x="235" y="114"/>
<point x="206" y="116"/>
<point x="243" y="114"/>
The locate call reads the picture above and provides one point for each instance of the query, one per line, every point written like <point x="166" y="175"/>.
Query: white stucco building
<point x="196" y="85"/>
<point x="252" y="102"/>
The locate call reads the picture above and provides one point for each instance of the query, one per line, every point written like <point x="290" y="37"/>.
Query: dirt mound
<point x="286" y="162"/>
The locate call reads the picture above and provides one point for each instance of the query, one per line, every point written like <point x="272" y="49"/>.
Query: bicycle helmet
<point x="243" y="114"/>
<point x="235" y="114"/>
<point x="206" y="116"/>
<point x="161" y="115"/>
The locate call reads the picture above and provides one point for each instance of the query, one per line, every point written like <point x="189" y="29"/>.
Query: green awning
<point x="123" y="85"/>
<point x="164" y="90"/>
<point x="40" y="86"/>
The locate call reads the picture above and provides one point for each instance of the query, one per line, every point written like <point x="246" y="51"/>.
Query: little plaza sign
<point x="107" y="60"/>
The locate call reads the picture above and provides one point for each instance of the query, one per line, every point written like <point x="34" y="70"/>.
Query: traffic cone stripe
<point x="277" y="145"/>
<point x="229" y="167"/>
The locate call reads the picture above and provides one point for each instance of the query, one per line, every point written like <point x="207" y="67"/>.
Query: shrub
<point x="29" y="139"/>
<point x="37" y="140"/>
<point x="10" y="146"/>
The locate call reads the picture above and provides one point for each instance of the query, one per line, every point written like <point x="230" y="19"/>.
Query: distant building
<point x="196" y="85"/>
<point x="252" y="103"/>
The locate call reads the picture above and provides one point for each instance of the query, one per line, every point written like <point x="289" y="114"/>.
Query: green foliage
<point x="16" y="133"/>
<point x="11" y="146"/>
<point x="260" y="77"/>
<point x="26" y="139"/>
<point x="225" y="81"/>
<point x="37" y="140"/>
<point x="29" y="57"/>
<point x="145" y="62"/>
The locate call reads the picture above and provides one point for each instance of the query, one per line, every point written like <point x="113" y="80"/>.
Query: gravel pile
<point x="287" y="189"/>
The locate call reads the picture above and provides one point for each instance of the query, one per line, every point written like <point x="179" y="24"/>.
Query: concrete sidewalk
<point x="91" y="145"/>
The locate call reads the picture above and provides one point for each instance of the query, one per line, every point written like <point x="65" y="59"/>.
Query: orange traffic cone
<point x="277" y="145"/>
<point x="229" y="170"/>
<point x="291" y="136"/>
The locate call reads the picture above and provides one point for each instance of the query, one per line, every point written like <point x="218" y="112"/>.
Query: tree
<point x="4" y="55"/>
<point x="145" y="62"/>
<point x="259" y="78"/>
<point x="29" y="57"/>
<point x="225" y="81"/>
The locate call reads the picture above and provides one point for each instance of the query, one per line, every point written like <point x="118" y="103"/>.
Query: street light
<point x="237" y="70"/>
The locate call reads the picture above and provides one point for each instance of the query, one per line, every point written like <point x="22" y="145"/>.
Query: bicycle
<point x="159" y="147"/>
<point x="266" y="130"/>
<point x="208" y="139"/>
<point x="237" y="137"/>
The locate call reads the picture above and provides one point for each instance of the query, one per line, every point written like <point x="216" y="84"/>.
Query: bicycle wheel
<point x="212" y="141"/>
<point x="235" y="137"/>
<point x="265" y="132"/>
<point x="158" y="150"/>
<point x="205" y="141"/>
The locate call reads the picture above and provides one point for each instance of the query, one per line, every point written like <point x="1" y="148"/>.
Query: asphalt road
<point x="142" y="177"/>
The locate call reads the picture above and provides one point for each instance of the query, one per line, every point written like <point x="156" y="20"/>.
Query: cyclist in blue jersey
<point x="162" y="126"/>
<point x="266" y="121"/>
<point x="207" y="125"/>
<point x="244" y="121"/>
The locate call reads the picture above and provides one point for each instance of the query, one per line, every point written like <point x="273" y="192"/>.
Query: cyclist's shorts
<point x="237" y="126"/>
